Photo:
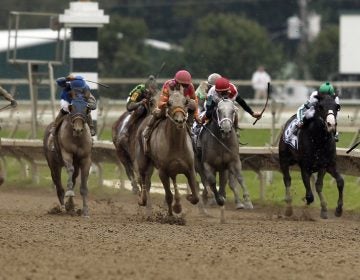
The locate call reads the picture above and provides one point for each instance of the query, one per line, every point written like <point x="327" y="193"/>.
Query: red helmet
<point x="183" y="77"/>
<point x="222" y="85"/>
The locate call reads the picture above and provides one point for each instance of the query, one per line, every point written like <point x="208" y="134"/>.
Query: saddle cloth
<point x="289" y="137"/>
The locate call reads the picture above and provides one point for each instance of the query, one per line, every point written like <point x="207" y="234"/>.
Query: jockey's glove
<point x="13" y="103"/>
<point x="157" y="112"/>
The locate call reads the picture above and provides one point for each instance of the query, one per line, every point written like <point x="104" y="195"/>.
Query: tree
<point x="122" y="49"/>
<point x="323" y="56"/>
<point x="231" y="45"/>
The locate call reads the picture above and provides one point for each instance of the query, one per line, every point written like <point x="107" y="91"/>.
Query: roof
<point x="29" y="37"/>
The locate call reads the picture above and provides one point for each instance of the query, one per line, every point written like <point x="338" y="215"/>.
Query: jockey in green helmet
<point x="307" y="109"/>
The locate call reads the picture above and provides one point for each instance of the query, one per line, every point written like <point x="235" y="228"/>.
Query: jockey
<point x="182" y="78"/>
<point x="203" y="89"/>
<point x="307" y="110"/>
<point x="73" y="85"/>
<point x="8" y="97"/>
<point x="224" y="89"/>
<point x="138" y="97"/>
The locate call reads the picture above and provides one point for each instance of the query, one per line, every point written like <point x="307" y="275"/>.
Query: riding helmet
<point x="222" y="85"/>
<point x="327" y="88"/>
<point x="183" y="77"/>
<point x="78" y="83"/>
<point x="212" y="78"/>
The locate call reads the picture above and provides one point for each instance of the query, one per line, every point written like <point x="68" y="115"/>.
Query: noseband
<point x="220" y="121"/>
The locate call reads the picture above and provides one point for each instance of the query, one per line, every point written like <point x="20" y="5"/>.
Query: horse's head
<point x="78" y="114"/>
<point x="225" y="116"/>
<point x="177" y="108"/>
<point x="327" y="110"/>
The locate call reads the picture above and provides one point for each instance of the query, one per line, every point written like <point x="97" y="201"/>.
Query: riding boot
<point x="336" y="136"/>
<point x="236" y="126"/>
<point x="147" y="132"/>
<point x="91" y="125"/>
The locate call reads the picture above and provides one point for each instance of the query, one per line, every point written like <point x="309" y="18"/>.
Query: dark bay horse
<point x="125" y="149"/>
<point x="171" y="152"/>
<point x="73" y="145"/>
<point x="315" y="153"/>
<point x="220" y="153"/>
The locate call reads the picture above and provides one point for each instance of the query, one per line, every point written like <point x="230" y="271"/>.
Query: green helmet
<point x="327" y="88"/>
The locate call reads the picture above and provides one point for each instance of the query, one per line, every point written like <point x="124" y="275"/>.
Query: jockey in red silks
<point x="182" y="78"/>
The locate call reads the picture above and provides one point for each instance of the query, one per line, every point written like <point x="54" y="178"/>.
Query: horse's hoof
<point x="249" y="205"/>
<point x="69" y="193"/>
<point x="239" y="205"/>
<point x="309" y="199"/>
<point x="323" y="214"/>
<point x="288" y="211"/>
<point x="338" y="212"/>
<point x="177" y="208"/>
<point x="193" y="199"/>
<point x="220" y="200"/>
<point x="141" y="202"/>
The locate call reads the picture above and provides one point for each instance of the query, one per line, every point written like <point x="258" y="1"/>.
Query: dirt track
<point x="117" y="243"/>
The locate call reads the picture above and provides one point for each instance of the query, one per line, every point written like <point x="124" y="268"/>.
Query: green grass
<point x="274" y="190"/>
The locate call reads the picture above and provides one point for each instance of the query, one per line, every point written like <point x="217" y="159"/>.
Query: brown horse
<point x="125" y="148"/>
<point x="73" y="144"/>
<point x="171" y="152"/>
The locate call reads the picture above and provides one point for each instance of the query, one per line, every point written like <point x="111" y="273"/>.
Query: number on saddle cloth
<point x="289" y="137"/>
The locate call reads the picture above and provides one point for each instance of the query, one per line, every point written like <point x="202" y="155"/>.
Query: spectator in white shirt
<point x="259" y="81"/>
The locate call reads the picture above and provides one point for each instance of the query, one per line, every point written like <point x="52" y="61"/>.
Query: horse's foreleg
<point x="223" y="177"/>
<point x="340" y="186"/>
<point x="194" y="196"/>
<point x="306" y="180"/>
<point x="236" y="170"/>
<point x="211" y="179"/>
<point x="319" y="187"/>
<point x="168" y="195"/>
<point x="234" y="187"/>
<point x="85" y="169"/>
<point x="68" y="161"/>
<point x="177" y="206"/>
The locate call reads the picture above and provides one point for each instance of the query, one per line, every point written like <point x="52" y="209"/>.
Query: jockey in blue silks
<point x="73" y="85"/>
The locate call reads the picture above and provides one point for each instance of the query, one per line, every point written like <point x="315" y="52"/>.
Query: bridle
<point x="220" y="121"/>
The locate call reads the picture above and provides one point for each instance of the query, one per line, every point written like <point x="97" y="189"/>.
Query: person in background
<point x="259" y="81"/>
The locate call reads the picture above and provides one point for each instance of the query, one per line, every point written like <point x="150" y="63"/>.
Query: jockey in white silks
<point x="307" y="110"/>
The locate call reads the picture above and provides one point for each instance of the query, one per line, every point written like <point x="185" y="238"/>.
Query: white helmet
<point x="212" y="78"/>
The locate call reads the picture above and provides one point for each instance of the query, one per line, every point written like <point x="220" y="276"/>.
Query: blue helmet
<point x="78" y="83"/>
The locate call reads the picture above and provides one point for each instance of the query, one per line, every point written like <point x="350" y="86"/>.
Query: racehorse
<point x="314" y="151"/>
<point x="125" y="151"/>
<point x="220" y="153"/>
<point x="171" y="152"/>
<point x="73" y="145"/>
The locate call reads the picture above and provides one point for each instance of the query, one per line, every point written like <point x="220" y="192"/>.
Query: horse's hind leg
<point x="211" y="179"/>
<point x="319" y="187"/>
<point x="168" y="195"/>
<point x="56" y="177"/>
<point x="340" y="185"/>
<point x="287" y="182"/>
<point x="85" y="169"/>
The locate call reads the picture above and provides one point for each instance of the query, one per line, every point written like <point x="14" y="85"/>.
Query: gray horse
<point x="171" y="152"/>
<point x="220" y="153"/>
<point x="73" y="145"/>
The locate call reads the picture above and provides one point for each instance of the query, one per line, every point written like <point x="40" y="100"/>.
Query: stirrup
<point x="92" y="132"/>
